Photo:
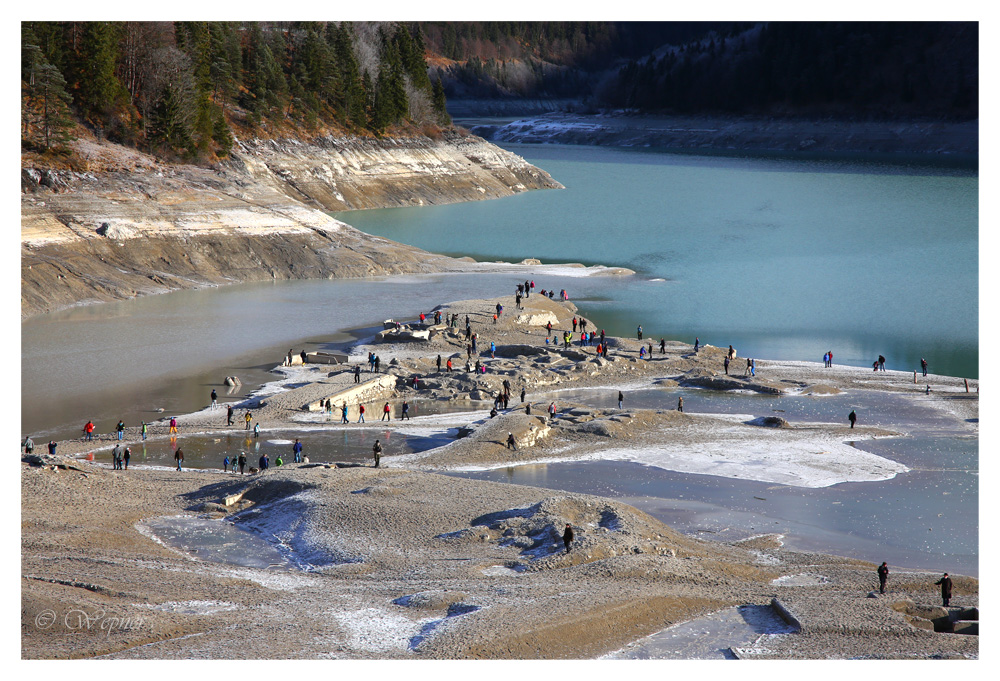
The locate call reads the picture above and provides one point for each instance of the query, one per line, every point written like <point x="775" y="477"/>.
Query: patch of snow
<point x="192" y="607"/>
<point x="378" y="631"/>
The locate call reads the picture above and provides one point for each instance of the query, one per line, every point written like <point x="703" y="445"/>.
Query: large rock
<point x="537" y="319"/>
<point x="50" y="460"/>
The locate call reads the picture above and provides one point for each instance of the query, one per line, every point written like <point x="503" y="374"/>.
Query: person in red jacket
<point x="89" y="430"/>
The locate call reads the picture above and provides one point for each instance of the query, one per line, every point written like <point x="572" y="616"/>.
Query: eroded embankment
<point x="131" y="225"/>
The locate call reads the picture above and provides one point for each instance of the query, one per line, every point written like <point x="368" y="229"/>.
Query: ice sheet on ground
<point x="708" y="637"/>
<point x="285" y="525"/>
<point x="777" y="455"/>
<point x="213" y="540"/>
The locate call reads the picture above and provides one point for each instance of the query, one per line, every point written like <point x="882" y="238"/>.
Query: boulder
<point x="769" y="422"/>
<point x="966" y="627"/>
<point x="596" y="427"/>
<point x="54" y="461"/>
<point x="537" y="319"/>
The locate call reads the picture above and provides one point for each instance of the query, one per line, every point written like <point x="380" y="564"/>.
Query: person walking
<point x="680" y="404"/>
<point x="881" y="363"/>
<point x="574" y="324"/>
<point x="826" y="359"/>
<point x="945" y="583"/>
<point x="567" y="537"/>
<point x="377" y="452"/>
<point x="522" y="395"/>
<point x="385" y="413"/>
<point x="439" y="363"/>
<point x="264" y="462"/>
<point x="621" y="398"/>
<point x="448" y="364"/>
<point x="173" y="425"/>
<point x="852" y="417"/>
<point x="753" y="367"/>
<point x="548" y="329"/>
<point x="638" y="331"/>
<point x="552" y="410"/>
<point x="121" y="430"/>
<point x="343" y="413"/>
<point x="697" y="344"/>
<point x="179" y="458"/>
<point x="242" y="461"/>
<point x="511" y="443"/>
<point x="829" y="356"/>
<point x="248" y="418"/>
<point x="126" y="456"/>
<point x="116" y="457"/>
<point x="883" y="575"/>
<point x="256" y="430"/>
<point x="731" y="354"/>
<point x="297" y="451"/>
<point x="145" y="429"/>
<point x="923" y="365"/>
<point x="663" y="347"/>
<point x="746" y="372"/>
<point x="215" y="398"/>
<point x="225" y="464"/>
<point x="229" y="414"/>
<point x="725" y="365"/>
<point x="378" y="360"/>
<point x="357" y="373"/>
<point x="28" y="445"/>
<point x="361" y="413"/>
<point x="88" y="431"/>
<point x="405" y="411"/>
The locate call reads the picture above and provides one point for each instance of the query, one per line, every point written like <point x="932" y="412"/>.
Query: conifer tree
<point x="45" y="116"/>
<point x="440" y="104"/>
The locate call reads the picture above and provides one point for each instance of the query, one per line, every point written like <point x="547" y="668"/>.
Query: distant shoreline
<point x="734" y="133"/>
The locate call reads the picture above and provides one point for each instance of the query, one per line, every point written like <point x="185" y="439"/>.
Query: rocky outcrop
<point x="128" y="225"/>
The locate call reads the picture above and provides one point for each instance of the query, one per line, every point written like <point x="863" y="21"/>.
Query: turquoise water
<point x="783" y="258"/>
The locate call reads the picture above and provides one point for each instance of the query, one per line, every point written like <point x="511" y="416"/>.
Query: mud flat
<point x="400" y="562"/>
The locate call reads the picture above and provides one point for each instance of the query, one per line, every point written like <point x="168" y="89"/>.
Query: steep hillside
<point x="128" y="224"/>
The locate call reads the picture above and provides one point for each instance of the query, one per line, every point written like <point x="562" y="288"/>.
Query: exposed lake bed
<point x="486" y="553"/>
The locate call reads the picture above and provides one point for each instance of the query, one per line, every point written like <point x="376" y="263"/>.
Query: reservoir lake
<point x="784" y="258"/>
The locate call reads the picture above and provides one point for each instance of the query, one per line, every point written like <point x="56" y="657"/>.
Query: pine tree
<point x="440" y="104"/>
<point x="99" y="92"/>
<point x="45" y="116"/>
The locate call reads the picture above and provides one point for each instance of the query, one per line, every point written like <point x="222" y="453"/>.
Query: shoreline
<point x="419" y="556"/>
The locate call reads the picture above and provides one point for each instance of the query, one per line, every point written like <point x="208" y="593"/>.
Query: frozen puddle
<point x="215" y="541"/>
<point x="711" y="637"/>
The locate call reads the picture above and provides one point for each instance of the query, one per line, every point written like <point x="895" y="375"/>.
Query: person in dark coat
<point x="945" y="583"/>
<point x="511" y="444"/>
<point x="377" y="452"/>
<point x="883" y="574"/>
<point x="568" y="537"/>
<point x="852" y="417"/>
